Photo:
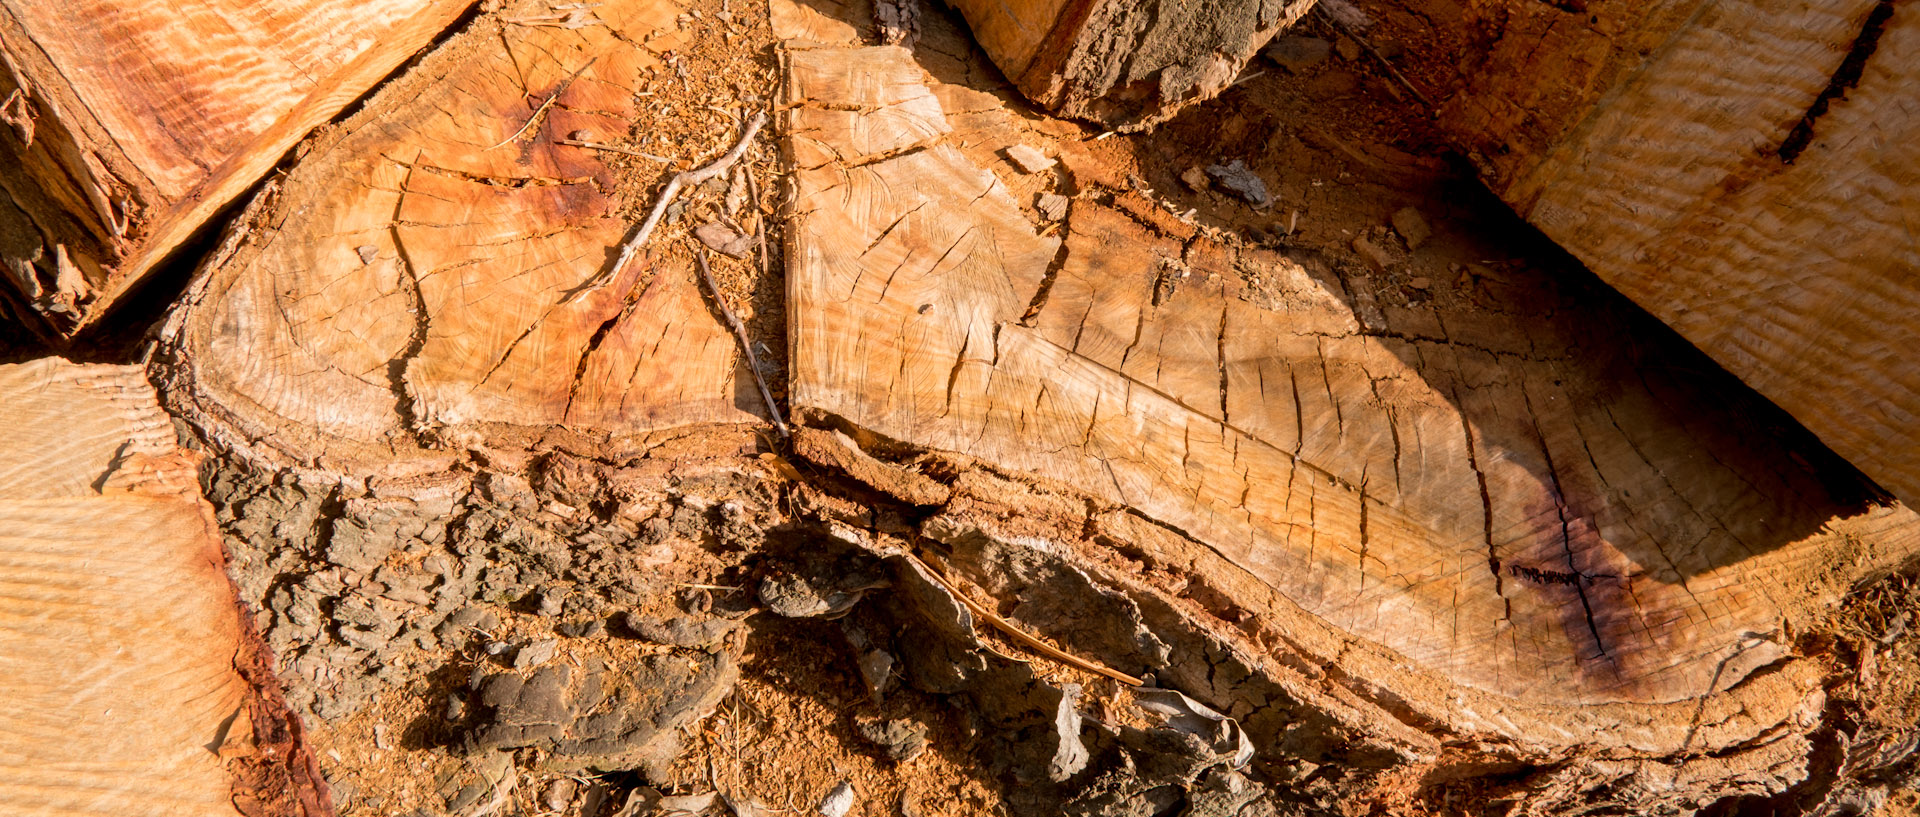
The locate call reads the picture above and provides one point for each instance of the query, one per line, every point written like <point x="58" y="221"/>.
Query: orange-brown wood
<point x="119" y="633"/>
<point x="1745" y="172"/>
<point x="129" y="124"/>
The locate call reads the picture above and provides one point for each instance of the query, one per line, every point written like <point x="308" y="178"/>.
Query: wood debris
<point x="666" y="196"/>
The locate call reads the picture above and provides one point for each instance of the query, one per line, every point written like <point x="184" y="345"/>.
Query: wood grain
<point x="118" y="631"/>
<point x="1497" y="500"/>
<point x="1662" y="168"/>
<point x="412" y="285"/>
<point x="1125" y="64"/>
<point x="150" y="118"/>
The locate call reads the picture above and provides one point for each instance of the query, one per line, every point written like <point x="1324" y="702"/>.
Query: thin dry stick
<point x="760" y="250"/>
<point x="667" y="194"/>
<point x="1021" y="636"/>
<point x="746" y="344"/>
<point x="547" y="104"/>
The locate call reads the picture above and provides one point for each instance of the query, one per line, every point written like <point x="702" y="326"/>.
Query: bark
<point x="129" y="125"/>
<point x="1125" y="64"/>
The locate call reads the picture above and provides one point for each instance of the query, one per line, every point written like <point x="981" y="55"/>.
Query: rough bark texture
<point x="1747" y="172"/>
<point x="128" y="124"/>
<point x="1122" y="63"/>
<point x="124" y="666"/>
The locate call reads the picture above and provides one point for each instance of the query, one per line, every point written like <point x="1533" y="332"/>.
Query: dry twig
<point x="759" y="223"/>
<point x="746" y="343"/>
<point x="682" y="179"/>
<point x="1021" y="636"/>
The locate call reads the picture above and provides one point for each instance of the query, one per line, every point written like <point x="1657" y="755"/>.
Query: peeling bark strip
<point x="1845" y="78"/>
<point x="1124" y="63"/>
<point x="1652" y="159"/>
<point x="146" y="119"/>
<point x="132" y="685"/>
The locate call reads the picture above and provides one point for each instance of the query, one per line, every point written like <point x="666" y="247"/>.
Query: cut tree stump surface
<point x="119" y="637"/>
<point x="132" y="123"/>
<point x="1482" y="496"/>
<point x="1746" y="172"/>
<point x="412" y="275"/>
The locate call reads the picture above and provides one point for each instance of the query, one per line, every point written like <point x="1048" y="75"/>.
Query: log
<point x="432" y="297"/>
<point x="1744" y="172"/>
<point x="131" y="124"/>
<point x="1122" y="64"/>
<point x="128" y="674"/>
<point x="1504" y="546"/>
<point x="1489" y="532"/>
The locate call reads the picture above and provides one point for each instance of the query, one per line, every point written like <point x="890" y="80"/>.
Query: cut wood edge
<point x="124" y="217"/>
<point x="1746" y="173"/>
<point x="1750" y="692"/>
<point x="138" y="684"/>
<point x="383" y="370"/>
<point x="232" y="179"/>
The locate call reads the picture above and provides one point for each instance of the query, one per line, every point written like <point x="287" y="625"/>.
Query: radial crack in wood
<point x="407" y="286"/>
<point x="1531" y="524"/>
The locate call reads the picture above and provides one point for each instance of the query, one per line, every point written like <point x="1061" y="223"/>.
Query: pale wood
<point x="118" y="631"/>
<point x="149" y="118"/>
<point x="459" y="326"/>
<point x="1535" y="538"/>
<point x="1658" y="164"/>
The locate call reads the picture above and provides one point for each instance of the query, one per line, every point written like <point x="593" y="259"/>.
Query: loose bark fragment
<point x="1122" y="63"/>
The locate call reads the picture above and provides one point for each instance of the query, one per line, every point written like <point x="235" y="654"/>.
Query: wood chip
<point x="1028" y="158"/>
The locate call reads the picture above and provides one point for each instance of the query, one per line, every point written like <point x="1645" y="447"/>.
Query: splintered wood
<point x="1472" y="491"/>
<point x="1746" y="172"/>
<point x="118" y="628"/>
<point x="129" y="124"/>
<point x="413" y="279"/>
